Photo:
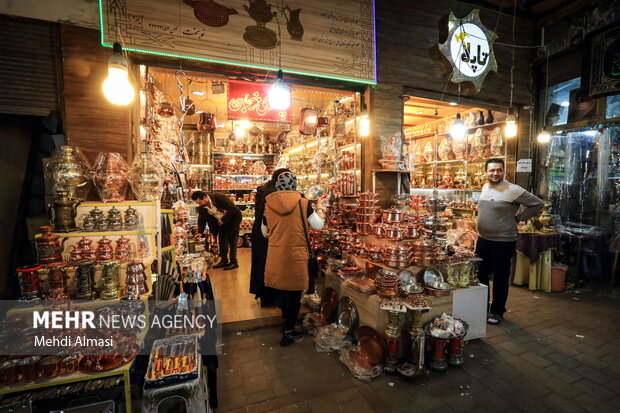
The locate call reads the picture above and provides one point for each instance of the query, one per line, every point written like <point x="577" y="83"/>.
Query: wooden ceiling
<point x="419" y="110"/>
<point x="532" y="9"/>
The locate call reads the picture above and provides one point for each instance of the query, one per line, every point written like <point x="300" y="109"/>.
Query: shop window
<point x="613" y="107"/>
<point x="558" y="100"/>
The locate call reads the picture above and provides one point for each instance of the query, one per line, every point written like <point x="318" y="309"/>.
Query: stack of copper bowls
<point x="396" y="256"/>
<point x="387" y="283"/>
<point x="374" y="253"/>
<point x="424" y="252"/>
<point x="366" y="212"/>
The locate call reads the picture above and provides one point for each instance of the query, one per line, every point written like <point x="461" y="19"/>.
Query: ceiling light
<point x="565" y="104"/>
<point x="453" y="103"/>
<point x="279" y="94"/>
<point x="116" y="87"/>
<point x="458" y="129"/>
<point x="419" y="112"/>
<point x="198" y="93"/>
<point x="364" y="122"/>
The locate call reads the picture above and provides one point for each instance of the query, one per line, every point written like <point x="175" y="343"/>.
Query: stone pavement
<point x="556" y="352"/>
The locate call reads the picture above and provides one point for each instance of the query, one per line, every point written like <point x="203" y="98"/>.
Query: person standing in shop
<point x="268" y="296"/>
<point x="224" y="219"/>
<point x="498" y="216"/>
<point x="287" y="218"/>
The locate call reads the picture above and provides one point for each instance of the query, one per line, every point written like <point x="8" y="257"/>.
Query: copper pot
<point x="368" y="218"/>
<point x="378" y="230"/>
<point x="375" y="256"/>
<point x="363" y="227"/>
<point x="368" y="195"/>
<point x="392" y="216"/>
<point x="423" y="262"/>
<point x="399" y="264"/>
<point x="409" y="230"/>
<point x="393" y="233"/>
<point x="367" y="210"/>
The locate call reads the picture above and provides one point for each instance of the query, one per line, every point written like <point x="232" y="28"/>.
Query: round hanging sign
<point x="469" y="48"/>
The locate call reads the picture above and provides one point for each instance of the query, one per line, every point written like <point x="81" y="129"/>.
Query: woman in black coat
<point x="268" y="296"/>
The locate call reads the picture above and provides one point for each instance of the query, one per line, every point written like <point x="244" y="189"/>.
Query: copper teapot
<point x="49" y="247"/>
<point x="104" y="250"/>
<point x="115" y="220"/>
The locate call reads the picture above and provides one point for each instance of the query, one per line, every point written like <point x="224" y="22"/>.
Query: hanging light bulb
<point x="279" y="94"/>
<point x="364" y="122"/>
<point x="510" y="131"/>
<point x="458" y="129"/>
<point x="544" y="136"/>
<point x="117" y="88"/>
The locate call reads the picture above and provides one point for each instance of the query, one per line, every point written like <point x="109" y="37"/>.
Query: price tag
<point x="524" y="165"/>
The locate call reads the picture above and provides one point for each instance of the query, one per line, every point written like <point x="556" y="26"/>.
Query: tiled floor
<point x="232" y="288"/>
<point x="554" y="352"/>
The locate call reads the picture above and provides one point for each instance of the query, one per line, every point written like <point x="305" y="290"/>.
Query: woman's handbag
<point x="313" y="264"/>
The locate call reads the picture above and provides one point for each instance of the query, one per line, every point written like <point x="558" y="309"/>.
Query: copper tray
<point x="329" y="304"/>
<point x="437" y="293"/>
<point x="372" y="347"/>
<point x="357" y="359"/>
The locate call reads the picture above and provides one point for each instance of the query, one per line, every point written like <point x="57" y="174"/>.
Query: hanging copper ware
<point x="165" y="110"/>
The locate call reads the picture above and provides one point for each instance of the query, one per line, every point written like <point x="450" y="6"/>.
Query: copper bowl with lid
<point x="394" y="233"/>
<point x="378" y="230"/>
<point x="392" y="216"/>
<point x="409" y="230"/>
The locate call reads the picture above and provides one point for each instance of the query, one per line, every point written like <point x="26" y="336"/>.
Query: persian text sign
<point x="248" y="100"/>
<point x="469" y="48"/>
<point x="319" y="38"/>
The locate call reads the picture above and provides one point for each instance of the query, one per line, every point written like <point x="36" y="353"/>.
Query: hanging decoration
<point x="469" y="48"/>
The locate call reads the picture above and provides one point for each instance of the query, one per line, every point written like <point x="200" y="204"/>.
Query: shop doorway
<point x="235" y="147"/>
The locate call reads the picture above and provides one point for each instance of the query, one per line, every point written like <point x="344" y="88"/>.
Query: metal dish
<point x="329" y="305"/>
<point x="348" y="316"/>
<point x="372" y="347"/>
<point x="409" y="283"/>
<point x="432" y="274"/>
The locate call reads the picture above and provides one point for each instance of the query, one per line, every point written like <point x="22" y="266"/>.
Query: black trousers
<point x="228" y="236"/>
<point x="496" y="259"/>
<point x="290" y="304"/>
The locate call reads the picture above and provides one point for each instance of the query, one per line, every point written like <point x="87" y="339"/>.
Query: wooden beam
<point x="422" y="115"/>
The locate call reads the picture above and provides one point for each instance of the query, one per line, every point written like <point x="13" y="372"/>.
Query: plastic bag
<point x="359" y="372"/>
<point x="331" y="338"/>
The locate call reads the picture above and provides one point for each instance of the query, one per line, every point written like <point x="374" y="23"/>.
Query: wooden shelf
<point x="400" y="171"/>
<point x="244" y="154"/>
<point x="242" y="175"/>
<point x="349" y="170"/>
<point x="429" y="134"/>
<point x="349" y="145"/>
<point x="234" y="189"/>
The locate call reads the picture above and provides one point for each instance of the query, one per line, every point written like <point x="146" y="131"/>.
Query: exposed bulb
<point x="510" y="131"/>
<point x="279" y="94"/>
<point x="458" y="129"/>
<point x="116" y="87"/>
<point x="544" y="136"/>
<point x="364" y="126"/>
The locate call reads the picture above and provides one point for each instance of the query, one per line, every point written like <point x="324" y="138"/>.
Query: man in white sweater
<point x="497" y="226"/>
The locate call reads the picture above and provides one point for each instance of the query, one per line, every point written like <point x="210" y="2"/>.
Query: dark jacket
<point x="259" y="248"/>
<point x="232" y="214"/>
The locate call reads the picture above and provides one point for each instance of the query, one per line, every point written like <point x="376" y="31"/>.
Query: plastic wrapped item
<point x="146" y="177"/>
<point x="350" y="359"/>
<point x="110" y="175"/>
<point x="331" y="338"/>
<point x="446" y="326"/>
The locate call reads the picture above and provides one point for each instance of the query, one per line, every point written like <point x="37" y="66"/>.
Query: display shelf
<point x="234" y="189"/>
<point x="254" y="155"/>
<point x="98" y="233"/>
<point x="308" y="143"/>
<point x="244" y="203"/>
<point x="433" y="133"/>
<point x="401" y="171"/>
<point x="349" y="145"/>
<point x="71" y="378"/>
<point x="323" y="175"/>
<point x="461" y="161"/>
<point x="349" y="170"/>
<point x="93" y="204"/>
<point x="243" y="175"/>
<point x="201" y="166"/>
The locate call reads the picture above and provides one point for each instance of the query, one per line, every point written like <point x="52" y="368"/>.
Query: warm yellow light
<point x="232" y="161"/>
<point x="364" y="126"/>
<point x="239" y="131"/>
<point x="244" y="124"/>
<point x="117" y="88"/>
<point x="279" y="94"/>
<point x="544" y="137"/>
<point x="510" y="131"/>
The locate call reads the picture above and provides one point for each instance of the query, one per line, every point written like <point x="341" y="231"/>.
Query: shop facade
<point x="398" y="271"/>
